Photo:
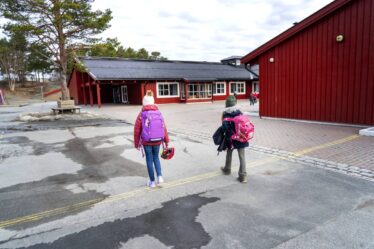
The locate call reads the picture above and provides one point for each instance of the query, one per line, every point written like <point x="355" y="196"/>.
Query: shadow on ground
<point x="174" y="224"/>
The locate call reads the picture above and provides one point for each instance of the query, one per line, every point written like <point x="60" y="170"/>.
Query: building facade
<point x="124" y="81"/>
<point x="322" y="68"/>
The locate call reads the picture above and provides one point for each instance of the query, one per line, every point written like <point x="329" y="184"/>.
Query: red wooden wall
<point x="73" y="88"/>
<point x="136" y="91"/>
<point x="314" y="77"/>
<point x="152" y="86"/>
<point x="76" y="92"/>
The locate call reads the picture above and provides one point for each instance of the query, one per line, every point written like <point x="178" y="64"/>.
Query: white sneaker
<point x="160" y="180"/>
<point x="151" y="184"/>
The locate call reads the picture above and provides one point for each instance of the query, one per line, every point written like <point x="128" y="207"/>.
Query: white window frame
<point x="167" y="96"/>
<point x="238" y="82"/>
<point x="207" y="90"/>
<point x="215" y="88"/>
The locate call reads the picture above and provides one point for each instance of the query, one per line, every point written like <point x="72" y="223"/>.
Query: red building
<point x="113" y="80"/>
<point x="322" y="68"/>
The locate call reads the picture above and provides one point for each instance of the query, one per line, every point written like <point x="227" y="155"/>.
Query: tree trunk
<point x="62" y="61"/>
<point x="11" y="81"/>
<point x="64" y="89"/>
<point x="12" y="84"/>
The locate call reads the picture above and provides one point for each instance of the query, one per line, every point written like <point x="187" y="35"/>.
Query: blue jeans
<point x="152" y="157"/>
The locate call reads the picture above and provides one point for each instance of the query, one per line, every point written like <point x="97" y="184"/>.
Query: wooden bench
<point x="70" y="109"/>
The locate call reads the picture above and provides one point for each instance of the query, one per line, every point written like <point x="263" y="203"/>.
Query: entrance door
<point x="124" y="95"/>
<point x="117" y="95"/>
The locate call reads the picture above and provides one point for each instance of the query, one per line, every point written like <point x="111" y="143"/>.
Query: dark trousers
<point x="242" y="167"/>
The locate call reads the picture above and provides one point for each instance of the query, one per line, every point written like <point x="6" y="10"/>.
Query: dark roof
<point x="328" y="9"/>
<point x="234" y="57"/>
<point x="129" y="69"/>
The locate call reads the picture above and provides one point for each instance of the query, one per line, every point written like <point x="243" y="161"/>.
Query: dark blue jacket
<point x="229" y="128"/>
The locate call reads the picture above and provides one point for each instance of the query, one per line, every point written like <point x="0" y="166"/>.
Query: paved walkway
<point x="202" y="120"/>
<point x="65" y="186"/>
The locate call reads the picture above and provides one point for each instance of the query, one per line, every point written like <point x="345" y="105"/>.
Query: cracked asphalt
<point x="81" y="184"/>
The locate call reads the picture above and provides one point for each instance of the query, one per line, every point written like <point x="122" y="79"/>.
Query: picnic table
<point x="67" y="109"/>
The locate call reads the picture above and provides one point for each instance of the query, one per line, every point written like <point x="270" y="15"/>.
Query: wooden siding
<point x="80" y="89"/>
<point x="73" y="88"/>
<point x="314" y="77"/>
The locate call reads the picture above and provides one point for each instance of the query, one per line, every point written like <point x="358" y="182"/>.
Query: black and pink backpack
<point x="244" y="128"/>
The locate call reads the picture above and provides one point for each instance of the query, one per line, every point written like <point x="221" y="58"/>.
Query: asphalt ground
<point x="84" y="187"/>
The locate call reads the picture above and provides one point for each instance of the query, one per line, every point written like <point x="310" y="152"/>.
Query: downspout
<point x="145" y="88"/>
<point x="258" y="78"/>
<point x="249" y="70"/>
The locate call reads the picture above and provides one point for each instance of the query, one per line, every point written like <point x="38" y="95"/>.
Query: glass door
<point x="124" y="95"/>
<point x="117" y="95"/>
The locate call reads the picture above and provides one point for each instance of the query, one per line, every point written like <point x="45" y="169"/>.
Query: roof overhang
<point x="328" y="9"/>
<point x="173" y="79"/>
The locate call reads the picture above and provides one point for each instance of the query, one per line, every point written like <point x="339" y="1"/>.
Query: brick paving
<point x="343" y="168"/>
<point x="293" y="136"/>
<point x="359" y="152"/>
<point x="201" y="120"/>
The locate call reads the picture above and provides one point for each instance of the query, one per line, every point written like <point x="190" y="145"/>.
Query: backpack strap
<point x="142" y="149"/>
<point x="228" y="119"/>
<point x="230" y="146"/>
<point x="140" y="146"/>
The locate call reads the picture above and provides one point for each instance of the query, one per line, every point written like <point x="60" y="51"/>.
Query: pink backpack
<point x="244" y="129"/>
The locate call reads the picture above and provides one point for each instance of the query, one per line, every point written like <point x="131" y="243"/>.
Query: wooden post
<point x="143" y="90"/>
<point x="90" y="90"/>
<point x="186" y="91"/>
<point x="98" y="93"/>
<point x="84" y="94"/>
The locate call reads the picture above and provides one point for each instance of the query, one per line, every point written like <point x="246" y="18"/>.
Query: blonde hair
<point x="149" y="93"/>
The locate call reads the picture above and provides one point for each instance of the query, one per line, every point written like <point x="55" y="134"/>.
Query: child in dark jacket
<point x="232" y="110"/>
<point x="151" y="149"/>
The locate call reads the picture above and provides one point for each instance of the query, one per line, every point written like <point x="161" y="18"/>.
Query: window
<point x="199" y="91"/>
<point x="167" y="89"/>
<point x="219" y="88"/>
<point x="238" y="87"/>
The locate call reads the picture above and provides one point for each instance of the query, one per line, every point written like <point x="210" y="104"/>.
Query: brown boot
<point x="226" y="171"/>
<point x="242" y="179"/>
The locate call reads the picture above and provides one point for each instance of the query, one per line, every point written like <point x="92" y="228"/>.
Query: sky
<point x="202" y="30"/>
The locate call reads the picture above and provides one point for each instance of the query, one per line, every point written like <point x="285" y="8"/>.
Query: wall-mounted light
<point x="271" y="59"/>
<point x="339" y="38"/>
